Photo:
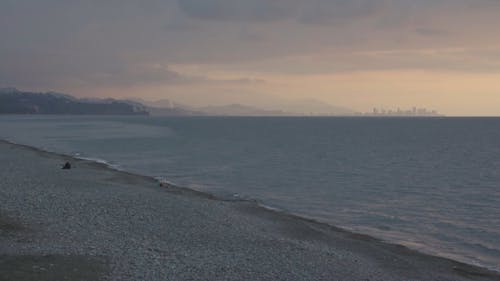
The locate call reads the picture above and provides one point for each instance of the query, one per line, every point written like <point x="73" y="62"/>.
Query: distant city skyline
<point x="414" y="111"/>
<point x="357" y="54"/>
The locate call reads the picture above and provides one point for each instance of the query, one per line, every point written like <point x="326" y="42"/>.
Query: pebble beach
<point x="95" y="223"/>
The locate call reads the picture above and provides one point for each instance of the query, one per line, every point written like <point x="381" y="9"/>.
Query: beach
<point x="96" y="223"/>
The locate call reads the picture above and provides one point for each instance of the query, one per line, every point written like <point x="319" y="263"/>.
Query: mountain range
<point x="13" y="101"/>
<point x="275" y="107"/>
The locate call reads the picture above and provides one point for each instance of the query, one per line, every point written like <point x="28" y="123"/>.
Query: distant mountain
<point x="163" y="103"/>
<point x="261" y="101"/>
<point x="13" y="101"/>
<point x="314" y="107"/>
<point x="167" y="108"/>
<point x="266" y="105"/>
<point x="159" y="111"/>
<point x="239" y="110"/>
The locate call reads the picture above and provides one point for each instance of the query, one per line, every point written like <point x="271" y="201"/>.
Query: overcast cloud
<point x="56" y="44"/>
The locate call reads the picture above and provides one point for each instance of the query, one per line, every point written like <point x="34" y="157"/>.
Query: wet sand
<point x="95" y="223"/>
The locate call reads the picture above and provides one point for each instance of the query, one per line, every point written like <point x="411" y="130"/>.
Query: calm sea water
<point x="431" y="184"/>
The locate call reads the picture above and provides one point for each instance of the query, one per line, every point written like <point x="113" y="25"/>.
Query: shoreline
<point x="315" y="229"/>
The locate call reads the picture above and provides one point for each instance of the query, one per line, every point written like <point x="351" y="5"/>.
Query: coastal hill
<point x="240" y="110"/>
<point x="167" y="107"/>
<point x="268" y="106"/>
<point x="13" y="101"/>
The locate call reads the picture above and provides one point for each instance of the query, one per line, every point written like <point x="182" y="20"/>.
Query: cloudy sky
<point x="440" y="54"/>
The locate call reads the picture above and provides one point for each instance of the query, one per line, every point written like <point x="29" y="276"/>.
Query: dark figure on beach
<point x="66" y="166"/>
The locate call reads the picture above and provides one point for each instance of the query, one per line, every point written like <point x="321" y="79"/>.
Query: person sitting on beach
<point x="66" y="166"/>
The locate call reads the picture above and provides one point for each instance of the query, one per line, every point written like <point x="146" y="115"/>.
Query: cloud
<point x="140" y="75"/>
<point x="54" y="73"/>
<point x="431" y="32"/>
<point x="103" y="43"/>
<point x="325" y="12"/>
<point x="60" y="74"/>
<point x="312" y="11"/>
<point x="238" y="10"/>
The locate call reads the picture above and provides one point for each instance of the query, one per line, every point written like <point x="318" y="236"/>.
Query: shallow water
<point x="432" y="184"/>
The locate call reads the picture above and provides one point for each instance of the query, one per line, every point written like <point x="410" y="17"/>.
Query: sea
<point x="431" y="184"/>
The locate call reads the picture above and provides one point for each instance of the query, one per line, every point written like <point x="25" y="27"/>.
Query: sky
<point x="439" y="54"/>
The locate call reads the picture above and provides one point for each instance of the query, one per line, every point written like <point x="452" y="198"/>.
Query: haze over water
<point x="429" y="183"/>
